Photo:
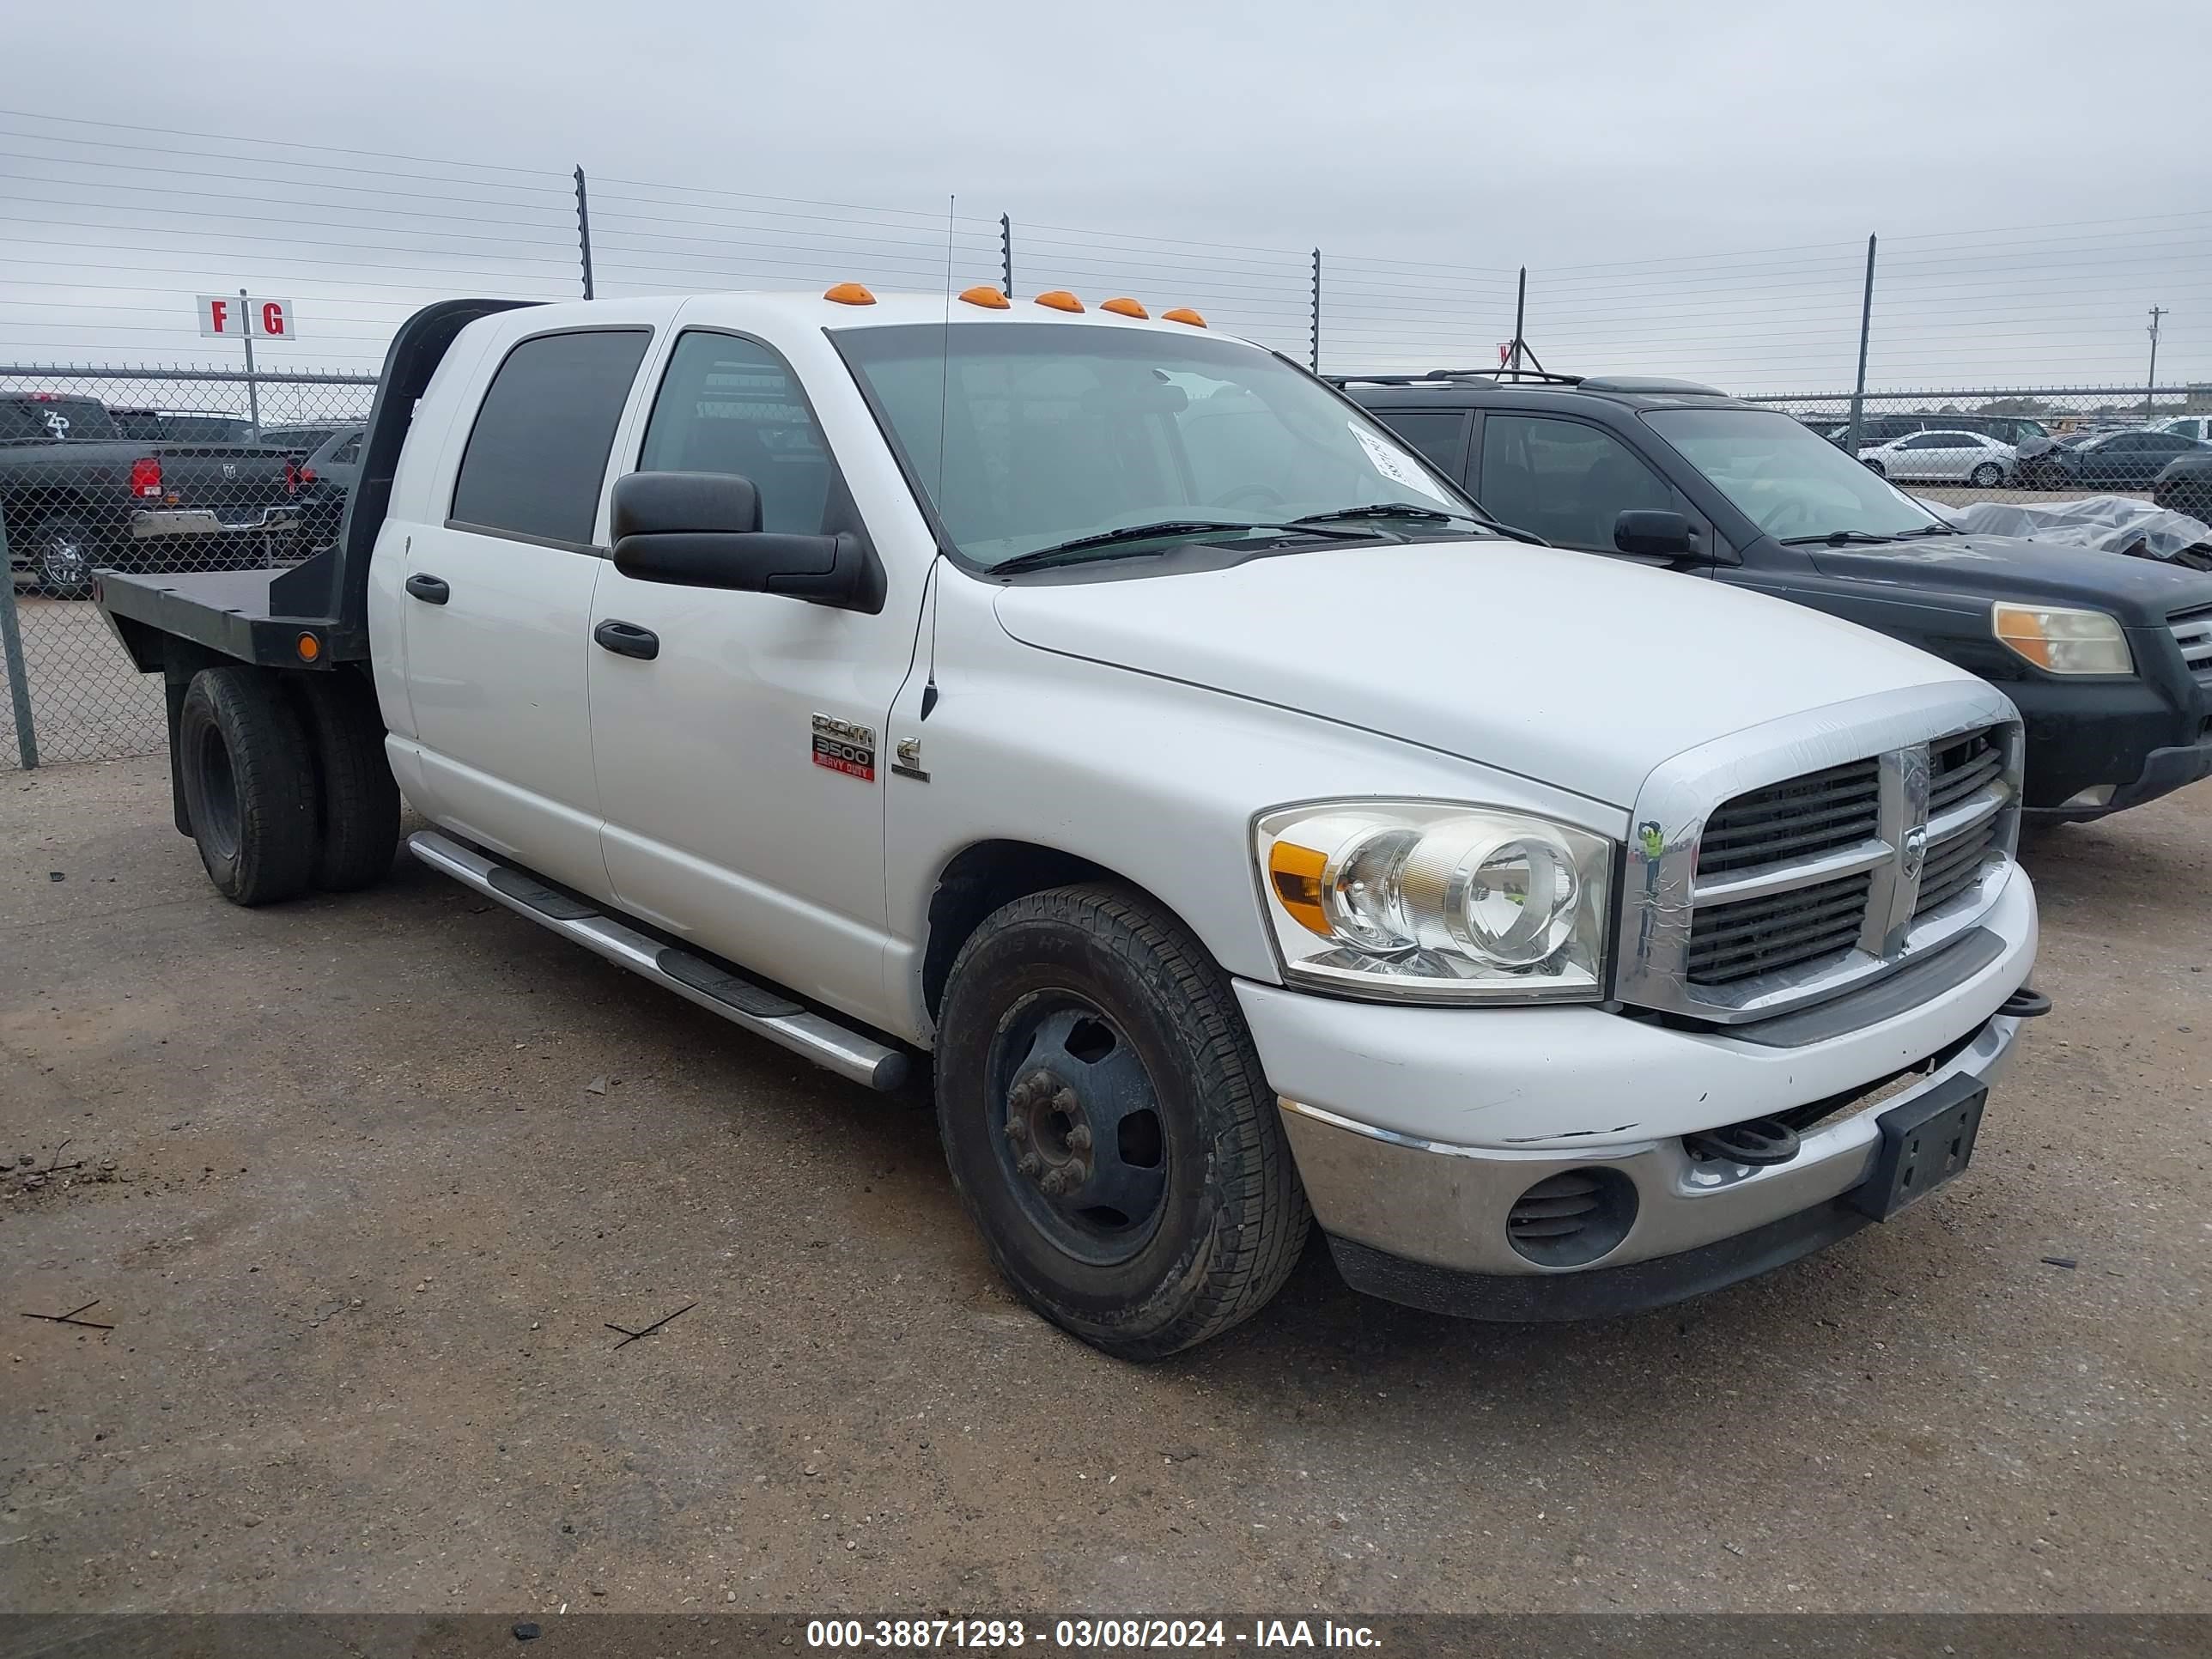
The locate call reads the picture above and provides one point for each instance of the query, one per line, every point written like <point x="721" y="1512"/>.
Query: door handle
<point x="627" y="639"/>
<point x="429" y="589"/>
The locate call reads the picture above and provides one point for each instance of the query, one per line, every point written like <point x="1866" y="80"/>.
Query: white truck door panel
<point x="723" y="822"/>
<point x="498" y="604"/>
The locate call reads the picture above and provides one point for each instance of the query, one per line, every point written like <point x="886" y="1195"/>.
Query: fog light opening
<point x="1568" y="1219"/>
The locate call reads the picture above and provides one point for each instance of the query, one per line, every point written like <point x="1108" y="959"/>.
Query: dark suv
<point x="2109" y="658"/>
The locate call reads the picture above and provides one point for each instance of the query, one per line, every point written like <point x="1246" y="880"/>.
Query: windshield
<point x="1787" y="481"/>
<point x="1053" y="433"/>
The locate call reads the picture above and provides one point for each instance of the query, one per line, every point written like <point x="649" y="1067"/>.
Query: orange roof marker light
<point x="984" y="296"/>
<point x="1060" y="299"/>
<point x="1184" y="314"/>
<point x="849" y="294"/>
<point x="1124" y="308"/>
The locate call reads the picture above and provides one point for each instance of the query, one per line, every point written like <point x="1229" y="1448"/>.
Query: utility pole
<point x="1520" y="321"/>
<point x="2150" y="392"/>
<point x="1006" y="254"/>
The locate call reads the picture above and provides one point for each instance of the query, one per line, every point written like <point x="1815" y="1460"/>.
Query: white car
<point x="1242" y="830"/>
<point x="2188" y="426"/>
<point x="1944" y="457"/>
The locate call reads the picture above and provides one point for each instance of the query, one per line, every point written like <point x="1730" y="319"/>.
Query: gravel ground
<point x="361" y="1185"/>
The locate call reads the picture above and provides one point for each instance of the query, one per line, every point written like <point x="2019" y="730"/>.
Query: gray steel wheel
<point x="61" y="558"/>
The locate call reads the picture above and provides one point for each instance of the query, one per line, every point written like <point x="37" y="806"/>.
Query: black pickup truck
<point x="2108" y="658"/>
<point x="77" y="494"/>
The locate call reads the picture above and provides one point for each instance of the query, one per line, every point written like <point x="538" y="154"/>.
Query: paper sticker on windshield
<point x="1396" y="464"/>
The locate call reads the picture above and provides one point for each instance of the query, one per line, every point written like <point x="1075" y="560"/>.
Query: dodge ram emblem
<point x="229" y="469"/>
<point x="1915" y="851"/>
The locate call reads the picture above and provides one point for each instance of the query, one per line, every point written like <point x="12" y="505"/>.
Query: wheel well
<point x="983" y="877"/>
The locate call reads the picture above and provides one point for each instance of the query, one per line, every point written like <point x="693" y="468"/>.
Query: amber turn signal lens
<point x="849" y="294"/>
<point x="1125" y="308"/>
<point x="1296" y="873"/>
<point x="309" y="647"/>
<point x="985" y="296"/>
<point x="1184" y="314"/>
<point x="1059" y="300"/>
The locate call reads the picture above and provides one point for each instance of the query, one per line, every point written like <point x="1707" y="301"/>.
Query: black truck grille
<point x="1740" y="941"/>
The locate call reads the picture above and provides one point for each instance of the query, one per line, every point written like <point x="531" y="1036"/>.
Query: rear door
<point x="498" y="604"/>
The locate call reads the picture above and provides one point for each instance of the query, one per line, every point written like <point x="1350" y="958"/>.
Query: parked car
<point x="912" y="680"/>
<point x="2184" y="484"/>
<point x="304" y="439"/>
<point x="77" y="495"/>
<point x="323" y="481"/>
<point x="2096" y="649"/>
<point x="1878" y="430"/>
<point x="2188" y="426"/>
<point x="1944" y="457"/>
<point x="2117" y="460"/>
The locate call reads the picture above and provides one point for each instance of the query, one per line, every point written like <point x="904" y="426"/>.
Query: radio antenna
<point x="944" y="361"/>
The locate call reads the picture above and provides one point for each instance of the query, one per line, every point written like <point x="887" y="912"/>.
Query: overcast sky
<point x="1691" y="185"/>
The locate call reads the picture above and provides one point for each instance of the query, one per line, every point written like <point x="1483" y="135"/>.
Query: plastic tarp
<point x="2108" y="523"/>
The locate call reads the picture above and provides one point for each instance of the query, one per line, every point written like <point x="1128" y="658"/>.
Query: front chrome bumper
<point x="1440" y="1207"/>
<point x="149" y="523"/>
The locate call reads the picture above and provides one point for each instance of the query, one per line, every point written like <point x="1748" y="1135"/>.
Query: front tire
<point x="1876" y="468"/>
<point x="250" y="788"/>
<point x="1988" y="475"/>
<point x="1108" y="1125"/>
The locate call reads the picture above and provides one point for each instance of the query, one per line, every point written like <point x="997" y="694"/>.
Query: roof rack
<point x="1435" y="375"/>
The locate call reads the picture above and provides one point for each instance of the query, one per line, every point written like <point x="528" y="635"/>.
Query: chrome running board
<point x="752" y="1006"/>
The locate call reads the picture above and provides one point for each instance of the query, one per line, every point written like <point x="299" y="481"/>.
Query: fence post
<point x="1314" y="349"/>
<point x="1006" y="253"/>
<point x="1519" y="319"/>
<point x="584" y="232"/>
<point x="11" y="648"/>
<point x="1866" y="325"/>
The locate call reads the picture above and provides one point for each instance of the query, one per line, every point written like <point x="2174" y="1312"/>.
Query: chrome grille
<point x="2192" y="631"/>
<point x="1732" y="942"/>
<point x="1799" y="817"/>
<point x="1749" y="901"/>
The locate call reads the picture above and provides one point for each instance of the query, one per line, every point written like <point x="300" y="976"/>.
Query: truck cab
<point x="1110" y="720"/>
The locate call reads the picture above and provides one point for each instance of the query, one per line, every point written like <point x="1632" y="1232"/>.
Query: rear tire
<point x="1132" y="1027"/>
<point x="1876" y="468"/>
<point x="1988" y="475"/>
<point x="360" y="800"/>
<point x="61" y="556"/>
<point x="249" y="780"/>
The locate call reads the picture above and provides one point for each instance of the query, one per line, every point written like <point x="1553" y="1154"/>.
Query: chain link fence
<point x="146" y="471"/>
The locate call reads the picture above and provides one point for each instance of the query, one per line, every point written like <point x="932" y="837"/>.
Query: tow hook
<point x="1756" y="1141"/>
<point x="2025" y="1004"/>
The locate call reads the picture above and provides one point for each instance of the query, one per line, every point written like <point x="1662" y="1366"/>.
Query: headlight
<point x="1432" y="902"/>
<point x="2064" y="642"/>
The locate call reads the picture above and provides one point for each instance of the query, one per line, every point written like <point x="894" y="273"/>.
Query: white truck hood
<point x="1581" y="672"/>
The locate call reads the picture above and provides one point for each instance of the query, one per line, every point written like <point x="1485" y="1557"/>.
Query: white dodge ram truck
<point x="1110" y="716"/>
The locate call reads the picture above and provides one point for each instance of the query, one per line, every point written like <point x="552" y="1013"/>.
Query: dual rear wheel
<point x="285" y="783"/>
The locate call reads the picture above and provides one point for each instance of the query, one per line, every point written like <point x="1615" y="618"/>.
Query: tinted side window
<point x="732" y="406"/>
<point x="1933" y="441"/>
<point x="347" y="452"/>
<point x="1566" y="480"/>
<point x="1439" y="434"/>
<point x="539" y="453"/>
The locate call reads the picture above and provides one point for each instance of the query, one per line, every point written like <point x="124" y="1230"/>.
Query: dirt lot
<point x="361" y="1185"/>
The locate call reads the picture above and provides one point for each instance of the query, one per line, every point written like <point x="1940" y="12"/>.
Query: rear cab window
<point x="537" y="457"/>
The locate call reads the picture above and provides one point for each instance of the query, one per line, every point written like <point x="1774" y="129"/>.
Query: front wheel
<point x="1108" y="1125"/>
<point x="1988" y="475"/>
<point x="1876" y="468"/>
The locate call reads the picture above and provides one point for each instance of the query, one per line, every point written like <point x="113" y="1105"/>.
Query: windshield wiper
<point x="1436" y="515"/>
<point x="1040" y="558"/>
<point x="1936" y="530"/>
<point x="1839" y="539"/>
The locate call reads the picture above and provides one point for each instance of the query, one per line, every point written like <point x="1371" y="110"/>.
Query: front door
<point x="742" y="766"/>
<point x="498" y="606"/>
